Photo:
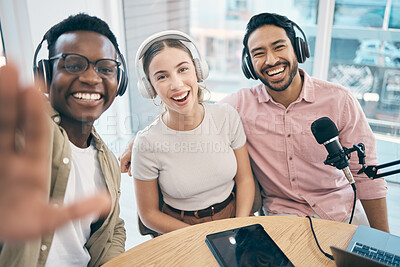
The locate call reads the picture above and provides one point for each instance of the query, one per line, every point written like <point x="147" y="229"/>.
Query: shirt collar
<point x="307" y="91"/>
<point x="54" y="115"/>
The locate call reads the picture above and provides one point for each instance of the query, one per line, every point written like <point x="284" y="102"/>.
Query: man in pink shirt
<point x="277" y="116"/>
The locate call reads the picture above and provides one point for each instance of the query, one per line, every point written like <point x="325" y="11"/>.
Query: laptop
<point x="369" y="247"/>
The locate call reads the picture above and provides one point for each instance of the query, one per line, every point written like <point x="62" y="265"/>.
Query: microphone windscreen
<point x="324" y="129"/>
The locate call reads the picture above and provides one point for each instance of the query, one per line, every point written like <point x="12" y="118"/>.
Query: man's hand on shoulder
<point x="125" y="158"/>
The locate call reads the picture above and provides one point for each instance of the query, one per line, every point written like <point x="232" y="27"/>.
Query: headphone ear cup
<point x="43" y="71"/>
<point x="301" y="50"/>
<point x="307" y="52"/>
<point x="145" y="88"/>
<point x="301" y="46"/>
<point x="247" y="66"/>
<point x="201" y="69"/>
<point x="122" y="76"/>
<point x="122" y="82"/>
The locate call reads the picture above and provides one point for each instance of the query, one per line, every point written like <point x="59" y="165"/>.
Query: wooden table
<point x="187" y="247"/>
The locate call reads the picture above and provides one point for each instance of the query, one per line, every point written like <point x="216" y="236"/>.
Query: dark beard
<point x="283" y="87"/>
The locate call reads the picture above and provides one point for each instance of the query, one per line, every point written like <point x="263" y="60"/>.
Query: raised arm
<point x="25" y="212"/>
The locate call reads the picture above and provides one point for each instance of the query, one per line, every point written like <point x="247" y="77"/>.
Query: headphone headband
<point x="170" y="34"/>
<point x="144" y="85"/>
<point x="301" y="31"/>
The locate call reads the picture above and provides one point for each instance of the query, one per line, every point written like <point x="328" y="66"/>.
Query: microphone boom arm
<point x="371" y="171"/>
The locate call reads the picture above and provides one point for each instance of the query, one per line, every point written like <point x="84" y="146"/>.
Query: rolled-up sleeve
<point x="354" y="129"/>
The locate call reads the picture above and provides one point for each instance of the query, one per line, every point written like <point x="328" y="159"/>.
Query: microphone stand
<point x="341" y="160"/>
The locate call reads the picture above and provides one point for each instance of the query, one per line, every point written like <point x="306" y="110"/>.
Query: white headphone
<point x="144" y="86"/>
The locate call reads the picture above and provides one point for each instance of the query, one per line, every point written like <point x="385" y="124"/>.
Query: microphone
<point x="326" y="133"/>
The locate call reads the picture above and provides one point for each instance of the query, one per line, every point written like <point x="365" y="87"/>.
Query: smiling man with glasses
<point x="83" y="78"/>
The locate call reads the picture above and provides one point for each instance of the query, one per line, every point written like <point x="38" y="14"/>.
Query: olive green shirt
<point x="107" y="239"/>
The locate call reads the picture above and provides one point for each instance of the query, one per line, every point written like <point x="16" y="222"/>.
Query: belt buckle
<point x="196" y="214"/>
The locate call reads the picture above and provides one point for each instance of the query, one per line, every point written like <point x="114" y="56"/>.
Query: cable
<point x="315" y="237"/>
<point x="351" y="219"/>
<point x="354" y="202"/>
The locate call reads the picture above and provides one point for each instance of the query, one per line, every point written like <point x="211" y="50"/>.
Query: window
<point x="236" y="9"/>
<point x="365" y="57"/>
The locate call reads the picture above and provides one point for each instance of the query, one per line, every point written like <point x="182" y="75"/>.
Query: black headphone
<point x="43" y="70"/>
<point x="301" y="48"/>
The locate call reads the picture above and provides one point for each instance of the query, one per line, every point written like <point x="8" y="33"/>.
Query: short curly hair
<point x="78" y="22"/>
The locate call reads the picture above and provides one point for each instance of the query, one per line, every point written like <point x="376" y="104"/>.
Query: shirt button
<point x="43" y="248"/>
<point x="65" y="160"/>
<point x="287" y="111"/>
<point x="288" y="135"/>
<point x="290" y="158"/>
<point x="313" y="205"/>
<point x="293" y="180"/>
<point x="56" y="119"/>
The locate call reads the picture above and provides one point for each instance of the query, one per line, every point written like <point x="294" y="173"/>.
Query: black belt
<point x="210" y="211"/>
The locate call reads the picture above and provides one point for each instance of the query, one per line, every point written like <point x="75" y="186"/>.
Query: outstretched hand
<point x="25" y="211"/>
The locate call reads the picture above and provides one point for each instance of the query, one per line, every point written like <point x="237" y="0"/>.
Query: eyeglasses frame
<point x="64" y="55"/>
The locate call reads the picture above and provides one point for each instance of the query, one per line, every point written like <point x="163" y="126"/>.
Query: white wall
<point x="24" y="22"/>
<point x="17" y="36"/>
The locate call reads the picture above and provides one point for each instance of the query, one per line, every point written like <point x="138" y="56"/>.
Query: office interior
<point x="355" y="43"/>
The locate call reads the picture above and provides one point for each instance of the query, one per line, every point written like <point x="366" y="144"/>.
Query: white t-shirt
<point x="85" y="179"/>
<point x="196" y="168"/>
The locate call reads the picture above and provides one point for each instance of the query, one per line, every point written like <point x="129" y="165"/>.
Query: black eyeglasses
<point x="78" y="64"/>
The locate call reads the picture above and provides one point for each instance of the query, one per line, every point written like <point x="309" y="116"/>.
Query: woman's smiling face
<point x="173" y="76"/>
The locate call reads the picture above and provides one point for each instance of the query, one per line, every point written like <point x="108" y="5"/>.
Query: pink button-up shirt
<point x="287" y="160"/>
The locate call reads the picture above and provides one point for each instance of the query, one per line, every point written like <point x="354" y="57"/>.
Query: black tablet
<point x="246" y="246"/>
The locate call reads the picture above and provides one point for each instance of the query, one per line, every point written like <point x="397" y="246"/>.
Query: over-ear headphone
<point x="43" y="70"/>
<point x="300" y="46"/>
<point x="143" y="84"/>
